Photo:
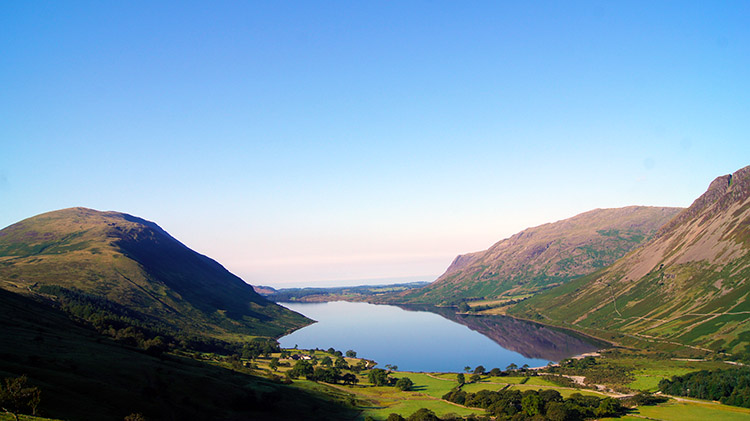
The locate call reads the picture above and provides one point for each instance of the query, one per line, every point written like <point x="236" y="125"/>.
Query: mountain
<point x="549" y="254"/>
<point x="134" y="265"/>
<point x="688" y="285"/>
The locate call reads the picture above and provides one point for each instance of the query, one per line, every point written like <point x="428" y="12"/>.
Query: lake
<point x="416" y="339"/>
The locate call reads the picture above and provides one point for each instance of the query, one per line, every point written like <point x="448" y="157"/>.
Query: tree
<point x="17" y="397"/>
<point x="341" y="363"/>
<point x="351" y="354"/>
<point x="326" y="361"/>
<point x="475" y="378"/>
<point x="423" y="414"/>
<point x="550" y="395"/>
<point x="301" y="368"/>
<point x="479" y="370"/>
<point x="608" y="407"/>
<point x="350" y="378"/>
<point x="378" y="377"/>
<point x="460" y="378"/>
<point x="274" y="364"/>
<point x="404" y="383"/>
<point x="495" y="372"/>
<point x="136" y="416"/>
<point x="467" y="369"/>
<point x="532" y="404"/>
<point x="328" y="375"/>
<point x="557" y="411"/>
<point x="463" y="307"/>
<point x="511" y="367"/>
<point x="395" y="417"/>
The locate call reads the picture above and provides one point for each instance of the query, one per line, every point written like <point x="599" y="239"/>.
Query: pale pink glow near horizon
<point x="318" y="259"/>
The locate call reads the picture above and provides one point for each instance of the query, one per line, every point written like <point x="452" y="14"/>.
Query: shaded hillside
<point x="134" y="263"/>
<point x="545" y="255"/>
<point x="688" y="285"/>
<point x="84" y="376"/>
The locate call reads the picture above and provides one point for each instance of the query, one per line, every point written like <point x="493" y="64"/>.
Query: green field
<point x="649" y="372"/>
<point x="407" y="407"/>
<point x="690" y="411"/>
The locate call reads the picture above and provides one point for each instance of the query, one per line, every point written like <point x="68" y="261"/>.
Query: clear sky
<point x="302" y="143"/>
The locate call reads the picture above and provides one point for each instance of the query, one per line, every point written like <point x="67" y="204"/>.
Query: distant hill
<point x="688" y="285"/>
<point x="130" y="262"/>
<point x="363" y="293"/>
<point x="539" y="257"/>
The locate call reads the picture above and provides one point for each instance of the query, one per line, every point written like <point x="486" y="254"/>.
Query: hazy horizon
<point x="305" y="143"/>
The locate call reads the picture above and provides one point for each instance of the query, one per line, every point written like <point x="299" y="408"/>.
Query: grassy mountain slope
<point x="688" y="285"/>
<point x="85" y="376"/>
<point x="136" y="264"/>
<point x="545" y="255"/>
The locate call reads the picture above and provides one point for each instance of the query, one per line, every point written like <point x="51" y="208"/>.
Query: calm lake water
<point x="419" y="340"/>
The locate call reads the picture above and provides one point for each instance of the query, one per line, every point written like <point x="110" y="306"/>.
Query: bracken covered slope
<point x="134" y="263"/>
<point x="688" y="285"/>
<point x="549" y="254"/>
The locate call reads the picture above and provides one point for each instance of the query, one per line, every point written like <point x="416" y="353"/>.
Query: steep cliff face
<point x="136" y="264"/>
<point x="688" y="285"/>
<point x="547" y="255"/>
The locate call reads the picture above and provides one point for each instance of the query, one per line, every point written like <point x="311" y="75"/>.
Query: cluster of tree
<point x="531" y="404"/>
<point x="380" y="377"/>
<point x="595" y="371"/>
<point x="475" y="378"/>
<point x="258" y="347"/>
<point x="349" y="353"/>
<point x="644" y="399"/>
<point x="331" y="375"/>
<point x="339" y="363"/>
<point x="511" y="370"/>
<point x="107" y="317"/>
<point x="422" y="414"/>
<point x="16" y="397"/>
<point x="134" y="329"/>
<point x="579" y="363"/>
<point x="729" y="386"/>
<point x="561" y="380"/>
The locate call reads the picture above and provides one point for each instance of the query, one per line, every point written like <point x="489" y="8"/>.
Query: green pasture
<point x="693" y="411"/>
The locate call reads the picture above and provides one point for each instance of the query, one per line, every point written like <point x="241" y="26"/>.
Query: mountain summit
<point x="688" y="285"/>
<point x="134" y="263"/>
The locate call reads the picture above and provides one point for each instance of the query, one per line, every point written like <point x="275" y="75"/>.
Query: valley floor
<point x="377" y="402"/>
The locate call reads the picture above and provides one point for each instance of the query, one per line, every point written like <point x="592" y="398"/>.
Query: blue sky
<point x="309" y="143"/>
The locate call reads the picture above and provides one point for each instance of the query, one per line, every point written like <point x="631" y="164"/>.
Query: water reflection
<point x="529" y="339"/>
